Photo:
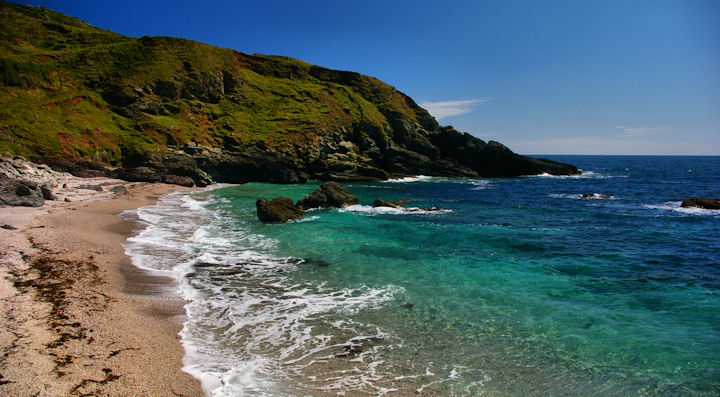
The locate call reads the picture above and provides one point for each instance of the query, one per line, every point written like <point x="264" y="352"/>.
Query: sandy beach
<point x="77" y="317"/>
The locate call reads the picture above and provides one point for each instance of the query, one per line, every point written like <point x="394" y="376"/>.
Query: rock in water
<point x="279" y="209"/>
<point x="382" y="203"/>
<point x="328" y="195"/>
<point x="699" y="202"/>
<point x="596" y="196"/>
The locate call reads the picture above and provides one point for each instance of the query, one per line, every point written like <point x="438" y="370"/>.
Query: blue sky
<point x="542" y="77"/>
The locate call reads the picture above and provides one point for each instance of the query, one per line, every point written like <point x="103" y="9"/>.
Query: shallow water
<point x="516" y="287"/>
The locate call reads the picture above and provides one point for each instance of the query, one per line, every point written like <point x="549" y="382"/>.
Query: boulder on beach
<point x="47" y="192"/>
<point x="328" y="195"/>
<point x="16" y="192"/>
<point x="24" y="183"/>
<point x="98" y="188"/>
<point x="699" y="202"/>
<point x="279" y="209"/>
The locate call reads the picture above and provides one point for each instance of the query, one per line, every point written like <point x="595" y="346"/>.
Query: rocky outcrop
<point x="174" y="167"/>
<point x="23" y="183"/>
<point x="146" y="174"/>
<point x="77" y="167"/>
<point x="328" y="195"/>
<point x="699" y="202"/>
<point x="279" y="209"/>
<point x="493" y="159"/>
<point x="19" y="193"/>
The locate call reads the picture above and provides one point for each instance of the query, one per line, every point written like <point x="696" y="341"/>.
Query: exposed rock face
<point x="699" y="202"/>
<point x="145" y="174"/>
<point x="280" y="209"/>
<point x="254" y="164"/>
<point x="79" y="168"/>
<point x="328" y="195"/>
<point x="341" y="158"/>
<point x="175" y="167"/>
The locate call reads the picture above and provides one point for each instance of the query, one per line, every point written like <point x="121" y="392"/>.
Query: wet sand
<point x="77" y="317"/>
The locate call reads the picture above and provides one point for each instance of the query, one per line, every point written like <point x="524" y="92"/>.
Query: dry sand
<point x="77" y="317"/>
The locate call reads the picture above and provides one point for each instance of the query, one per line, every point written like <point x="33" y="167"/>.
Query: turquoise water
<point x="517" y="287"/>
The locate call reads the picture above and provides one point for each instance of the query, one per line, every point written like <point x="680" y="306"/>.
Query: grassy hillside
<point x="74" y="90"/>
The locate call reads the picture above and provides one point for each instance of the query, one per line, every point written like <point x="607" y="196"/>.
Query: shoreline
<point x="77" y="316"/>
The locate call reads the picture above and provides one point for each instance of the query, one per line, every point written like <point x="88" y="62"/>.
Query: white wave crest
<point x="674" y="206"/>
<point x="580" y="196"/>
<point x="369" y="210"/>
<point x="408" y="179"/>
<point x="583" y="175"/>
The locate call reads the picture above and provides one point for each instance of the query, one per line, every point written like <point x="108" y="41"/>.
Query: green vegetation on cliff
<point x="63" y="77"/>
<point x="77" y="92"/>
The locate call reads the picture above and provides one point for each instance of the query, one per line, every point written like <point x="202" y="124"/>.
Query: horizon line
<point x="637" y="155"/>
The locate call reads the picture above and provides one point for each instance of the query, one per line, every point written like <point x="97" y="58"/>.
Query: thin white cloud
<point x="443" y="109"/>
<point x="635" y="131"/>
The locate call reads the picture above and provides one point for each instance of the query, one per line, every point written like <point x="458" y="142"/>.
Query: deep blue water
<point x="516" y="287"/>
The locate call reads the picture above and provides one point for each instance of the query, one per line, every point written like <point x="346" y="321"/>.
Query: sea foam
<point x="674" y="206"/>
<point x="370" y="210"/>
<point x="249" y="328"/>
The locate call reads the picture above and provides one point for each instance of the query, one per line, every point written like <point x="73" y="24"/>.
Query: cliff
<point x="87" y="100"/>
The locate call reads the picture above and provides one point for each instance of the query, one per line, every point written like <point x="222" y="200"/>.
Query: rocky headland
<point x="91" y="102"/>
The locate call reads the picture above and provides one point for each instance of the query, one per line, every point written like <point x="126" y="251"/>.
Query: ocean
<point x="514" y="286"/>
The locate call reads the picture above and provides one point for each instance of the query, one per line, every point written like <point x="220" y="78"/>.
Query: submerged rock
<point x="328" y="195"/>
<point x="699" y="202"/>
<point x="315" y="262"/>
<point x="279" y="209"/>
